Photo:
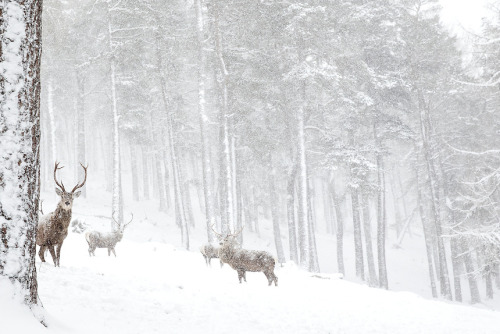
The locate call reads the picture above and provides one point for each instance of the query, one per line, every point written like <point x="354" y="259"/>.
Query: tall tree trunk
<point x="381" y="216"/>
<point x="303" y="193"/>
<point x="290" y="206"/>
<point x="427" y="235"/>
<point x="340" y="228"/>
<point x="372" y="276"/>
<point x="145" y="172"/>
<point x="117" y="198"/>
<point x="313" y="250"/>
<point x="20" y="52"/>
<point x="52" y="123"/>
<point x="432" y="180"/>
<point x="469" y="268"/>
<point x="80" y="110"/>
<point x="274" y="213"/>
<point x="135" y="174"/>
<point x="226" y="139"/>
<point x="358" y="245"/>
<point x="180" y="211"/>
<point x="204" y="124"/>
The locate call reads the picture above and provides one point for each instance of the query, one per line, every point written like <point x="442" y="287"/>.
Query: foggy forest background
<point x="320" y="117"/>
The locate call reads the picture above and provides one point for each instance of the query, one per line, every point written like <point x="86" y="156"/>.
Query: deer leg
<point x="209" y="259"/>
<point x="53" y="254"/>
<point x="221" y="263"/>
<point x="109" y="251"/>
<point x="113" y="250"/>
<point x="240" y="274"/>
<point x="41" y="253"/>
<point x="58" y="253"/>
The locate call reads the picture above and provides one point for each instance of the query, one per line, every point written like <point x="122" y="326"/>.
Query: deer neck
<point x="62" y="214"/>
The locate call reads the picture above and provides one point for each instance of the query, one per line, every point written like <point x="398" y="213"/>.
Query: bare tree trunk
<point x="20" y="52"/>
<point x="358" y="245"/>
<point x="145" y="173"/>
<point x="117" y="202"/>
<point x="431" y="172"/>
<point x="340" y="228"/>
<point x="274" y="213"/>
<point x="290" y="205"/>
<point x="180" y="210"/>
<point x="313" y="251"/>
<point x="133" y="169"/>
<point x="204" y="123"/>
<point x="80" y="110"/>
<point x="372" y="276"/>
<point x="303" y="194"/>
<point x="229" y="188"/>
<point x="52" y="123"/>
<point x="427" y="235"/>
<point x="489" y="282"/>
<point x="469" y="268"/>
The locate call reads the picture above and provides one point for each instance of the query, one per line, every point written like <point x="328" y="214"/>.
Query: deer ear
<point x="59" y="192"/>
<point x="77" y="194"/>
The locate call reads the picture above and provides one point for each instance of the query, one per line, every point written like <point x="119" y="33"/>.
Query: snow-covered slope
<point x="155" y="288"/>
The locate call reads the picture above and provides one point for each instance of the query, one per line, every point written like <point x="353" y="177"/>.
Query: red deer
<point x="243" y="260"/>
<point x="53" y="227"/>
<point x="209" y="252"/>
<point x="97" y="239"/>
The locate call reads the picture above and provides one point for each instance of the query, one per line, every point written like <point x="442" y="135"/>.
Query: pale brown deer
<point x="209" y="252"/>
<point x="243" y="260"/>
<point x="53" y="227"/>
<point x="97" y="239"/>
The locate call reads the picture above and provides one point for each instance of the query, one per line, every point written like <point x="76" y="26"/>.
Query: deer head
<point x="119" y="228"/>
<point x="67" y="197"/>
<point x="229" y="239"/>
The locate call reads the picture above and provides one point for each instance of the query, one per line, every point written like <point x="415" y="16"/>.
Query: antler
<point x="235" y="234"/>
<point x="78" y="185"/>
<point x="129" y="221"/>
<point x="60" y="185"/>
<point x="218" y="234"/>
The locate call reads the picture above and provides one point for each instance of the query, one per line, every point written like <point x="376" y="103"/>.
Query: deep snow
<point x="155" y="286"/>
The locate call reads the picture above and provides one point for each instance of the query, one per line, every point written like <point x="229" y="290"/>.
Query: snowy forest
<point x="354" y="142"/>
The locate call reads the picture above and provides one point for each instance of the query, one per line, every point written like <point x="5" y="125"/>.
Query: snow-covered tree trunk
<point x="180" y="212"/>
<point x="303" y="193"/>
<point x="432" y="180"/>
<point x="80" y="111"/>
<point x="372" y="276"/>
<point x="117" y="200"/>
<point x="313" y="250"/>
<point x="228" y="170"/>
<point x="204" y="123"/>
<point x="20" y="52"/>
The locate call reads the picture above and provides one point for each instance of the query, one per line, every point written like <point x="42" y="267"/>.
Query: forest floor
<point x="155" y="286"/>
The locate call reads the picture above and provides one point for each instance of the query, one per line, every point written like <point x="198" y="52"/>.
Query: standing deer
<point x="209" y="252"/>
<point x="97" y="239"/>
<point x="243" y="260"/>
<point x="53" y="227"/>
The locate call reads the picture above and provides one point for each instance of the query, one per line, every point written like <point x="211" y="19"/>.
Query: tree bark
<point x="340" y="229"/>
<point x="80" y="110"/>
<point x="20" y="52"/>
<point x="372" y="276"/>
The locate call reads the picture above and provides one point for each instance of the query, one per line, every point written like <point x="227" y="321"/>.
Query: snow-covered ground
<point x="154" y="286"/>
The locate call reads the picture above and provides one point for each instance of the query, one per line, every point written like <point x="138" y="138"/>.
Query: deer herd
<point x="53" y="229"/>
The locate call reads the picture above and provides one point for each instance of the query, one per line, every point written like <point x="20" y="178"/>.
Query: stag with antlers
<point x="97" y="239"/>
<point x="243" y="260"/>
<point x="53" y="227"/>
